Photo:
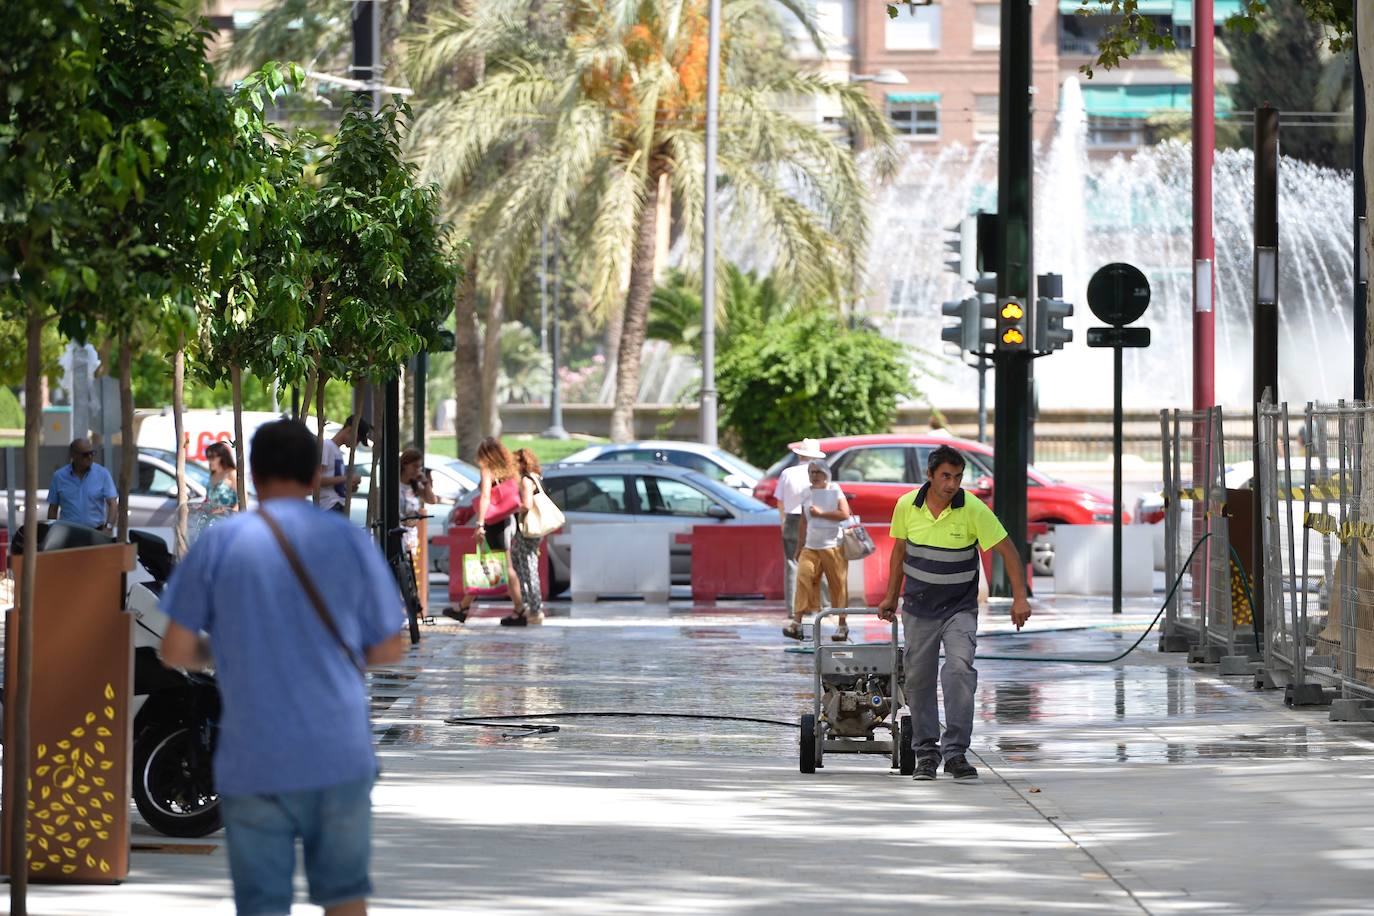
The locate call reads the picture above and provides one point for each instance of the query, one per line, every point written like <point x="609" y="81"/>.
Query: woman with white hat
<point x="793" y="483"/>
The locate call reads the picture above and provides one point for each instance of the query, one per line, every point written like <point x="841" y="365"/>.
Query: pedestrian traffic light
<point x="1012" y="326"/>
<point x="1050" y="333"/>
<point x="964" y="247"/>
<point x="967" y="327"/>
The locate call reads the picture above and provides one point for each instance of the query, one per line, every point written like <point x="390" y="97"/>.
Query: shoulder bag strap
<point x="294" y="561"/>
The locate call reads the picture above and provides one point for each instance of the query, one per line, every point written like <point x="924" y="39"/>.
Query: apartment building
<point x="934" y="69"/>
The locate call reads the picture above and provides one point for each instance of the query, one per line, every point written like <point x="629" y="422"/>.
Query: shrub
<point x="809" y="374"/>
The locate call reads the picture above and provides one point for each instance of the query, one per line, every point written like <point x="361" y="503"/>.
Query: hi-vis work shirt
<point x="942" y="561"/>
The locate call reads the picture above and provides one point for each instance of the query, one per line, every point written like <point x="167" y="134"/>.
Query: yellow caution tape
<point x="1296" y="494"/>
<point x="1345" y="532"/>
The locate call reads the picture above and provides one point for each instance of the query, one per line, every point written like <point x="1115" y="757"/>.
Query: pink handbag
<point x="505" y="501"/>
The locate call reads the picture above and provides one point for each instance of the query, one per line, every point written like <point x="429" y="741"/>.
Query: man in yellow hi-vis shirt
<point x="936" y="533"/>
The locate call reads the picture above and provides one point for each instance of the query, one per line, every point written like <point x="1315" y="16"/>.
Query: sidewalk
<point x="1144" y="786"/>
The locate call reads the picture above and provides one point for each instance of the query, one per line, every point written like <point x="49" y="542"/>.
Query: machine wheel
<point x="906" y="753"/>
<point x="173" y="783"/>
<point x="808" y="743"/>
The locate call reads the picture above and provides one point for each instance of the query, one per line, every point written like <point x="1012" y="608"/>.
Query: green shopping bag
<point x="485" y="570"/>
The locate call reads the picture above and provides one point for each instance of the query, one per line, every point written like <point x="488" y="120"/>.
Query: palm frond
<point x="301" y="30"/>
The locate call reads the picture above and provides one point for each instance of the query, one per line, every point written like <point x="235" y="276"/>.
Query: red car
<point x="874" y="472"/>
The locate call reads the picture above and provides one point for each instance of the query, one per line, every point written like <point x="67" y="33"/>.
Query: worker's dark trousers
<point x="958" y="679"/>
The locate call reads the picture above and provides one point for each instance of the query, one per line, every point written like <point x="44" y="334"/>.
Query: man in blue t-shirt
<point x="83" y="491"/>
<point x="294" y="757"/>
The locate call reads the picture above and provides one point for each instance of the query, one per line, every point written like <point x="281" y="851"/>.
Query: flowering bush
<point x="583" y="385"/>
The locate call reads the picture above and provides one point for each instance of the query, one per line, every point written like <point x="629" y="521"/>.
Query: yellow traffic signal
<point x="1013" y="327"/>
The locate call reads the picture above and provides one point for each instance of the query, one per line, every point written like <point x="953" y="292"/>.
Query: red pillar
<point x="1204" y="249"/>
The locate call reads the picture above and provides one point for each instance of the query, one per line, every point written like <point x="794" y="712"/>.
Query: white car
<point x="715" y="463"/>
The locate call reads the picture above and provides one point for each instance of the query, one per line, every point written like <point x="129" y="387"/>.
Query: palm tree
<point x="591" y="113"/>
<point x="747" y="303"/>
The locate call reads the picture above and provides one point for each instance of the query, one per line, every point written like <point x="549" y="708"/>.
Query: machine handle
<point x="849" y="612"/>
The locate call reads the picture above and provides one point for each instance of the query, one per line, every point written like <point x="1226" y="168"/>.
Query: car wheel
<point x="1042" y="553"/>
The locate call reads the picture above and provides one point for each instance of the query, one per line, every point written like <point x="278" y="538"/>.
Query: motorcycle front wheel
<point x="173" y="782"/>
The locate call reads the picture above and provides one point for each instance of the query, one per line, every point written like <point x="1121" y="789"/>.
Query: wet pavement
<point x="1144" y="785"/>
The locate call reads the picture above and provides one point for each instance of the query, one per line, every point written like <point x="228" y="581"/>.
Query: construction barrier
<point x="1202" y="618"/>
<point x="620" y="561"/>
<point x="1319" y="576"/>
<point x="735" y="561"/>
<point x="460" y="541"/>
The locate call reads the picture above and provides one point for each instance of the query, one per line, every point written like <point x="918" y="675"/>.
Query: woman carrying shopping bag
<point x="823" y="508"/>
<point x="538" y="517"/>
<point x="498" y="502"/>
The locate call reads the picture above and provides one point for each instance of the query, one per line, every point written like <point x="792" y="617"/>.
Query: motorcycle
<point x="175" y="712"/>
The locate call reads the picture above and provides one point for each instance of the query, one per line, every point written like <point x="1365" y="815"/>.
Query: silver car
<point x="715" y="463"/>
<point x="645" y="493"/>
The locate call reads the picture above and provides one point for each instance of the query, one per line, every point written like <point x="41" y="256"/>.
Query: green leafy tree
<point x="153" y="74"/>
<point x="809" y="372"/>
<point x="589" y="118"/>
<point x="65" y="168"/>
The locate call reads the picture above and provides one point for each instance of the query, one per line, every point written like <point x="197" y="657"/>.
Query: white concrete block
<point x="1083" y="560"/>
<point x="620" y="561"/>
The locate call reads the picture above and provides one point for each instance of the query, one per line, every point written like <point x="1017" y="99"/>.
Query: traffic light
<point x="1050" y="312"/>
<point x="967" y="328"/>
<point x="964" y="247"/>
<point x="1050" y="333"/>
<point x="1013" y="328"/>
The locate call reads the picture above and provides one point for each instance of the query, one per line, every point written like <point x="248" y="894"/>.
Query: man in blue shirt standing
<point x="83" y="491"/>
<point x="291" y="624"/>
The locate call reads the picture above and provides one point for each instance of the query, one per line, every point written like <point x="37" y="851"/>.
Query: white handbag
<point x="855" y="542"/>
<point x="543" y="517"/>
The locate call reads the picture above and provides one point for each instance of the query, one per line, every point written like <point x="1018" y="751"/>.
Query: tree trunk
<point x="17" y="707"/>
<point x="378" y="416"/>
<point x="352" y="453"/>
<point x="636" y="316"/>
<point x="491" y="363"/>
<point x="407" y="403"/>
<point x="319" y="425"/>
<point x="128" y="452"/>
<point x="308" y="396"/>
<point x="179" y="426"/>
<point x="467" y="374"/>
<point x="236" y="384"/>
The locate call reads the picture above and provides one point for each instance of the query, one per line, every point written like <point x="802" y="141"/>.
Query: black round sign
<point x="1118" y="294"/>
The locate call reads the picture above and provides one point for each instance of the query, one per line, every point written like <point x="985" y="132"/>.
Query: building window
<point x="1117" y="133"/>
<point x="917" y="30"/>
<point x="985" y="123"/>
<point x="987" y="26"/>
<point x="914" y="115"/>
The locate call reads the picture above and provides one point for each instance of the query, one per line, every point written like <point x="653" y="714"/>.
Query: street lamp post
<point x="708" y="266"/>
<point x="555" y="430"/>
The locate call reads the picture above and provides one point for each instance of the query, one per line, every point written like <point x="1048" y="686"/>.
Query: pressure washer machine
<point x="858" y="691"/>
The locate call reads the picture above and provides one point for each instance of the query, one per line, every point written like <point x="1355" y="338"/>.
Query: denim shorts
<point x="335" y="827"/>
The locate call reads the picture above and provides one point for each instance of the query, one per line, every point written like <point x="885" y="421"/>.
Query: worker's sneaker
<point x="927" y="768"/>
<point x="961" y="769"/>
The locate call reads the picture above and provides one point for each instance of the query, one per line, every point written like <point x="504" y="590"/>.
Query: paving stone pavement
<point x="1141" y="786"/>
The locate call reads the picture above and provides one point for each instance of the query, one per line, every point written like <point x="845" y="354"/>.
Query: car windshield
<point x="730" y="495"/>
<point x="741" y="466"/>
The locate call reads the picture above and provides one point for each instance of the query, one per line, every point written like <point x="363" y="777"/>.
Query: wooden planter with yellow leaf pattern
<point x="79" y="742"/>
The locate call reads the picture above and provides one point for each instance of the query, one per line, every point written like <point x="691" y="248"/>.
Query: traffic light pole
<point x="1011" y="432"/>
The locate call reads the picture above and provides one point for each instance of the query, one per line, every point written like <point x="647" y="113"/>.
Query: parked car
<point x="453" y="477"/>
<point x="875" y="471"/>
<point x="153" y="494"/>
<point x="715" y="463"/>
<point x="644" y="493"/>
